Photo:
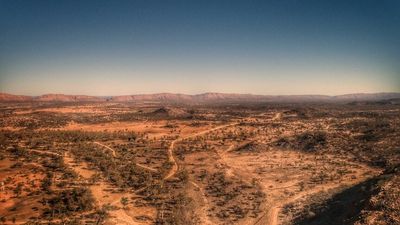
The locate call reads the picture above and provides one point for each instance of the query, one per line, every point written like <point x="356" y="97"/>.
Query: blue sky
<point x="260" y="47"/>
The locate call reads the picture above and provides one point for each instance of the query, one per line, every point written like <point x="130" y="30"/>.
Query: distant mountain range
<point x="199" y="98"/>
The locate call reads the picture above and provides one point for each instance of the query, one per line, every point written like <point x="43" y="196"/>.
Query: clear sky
<point x="260" y="47"/>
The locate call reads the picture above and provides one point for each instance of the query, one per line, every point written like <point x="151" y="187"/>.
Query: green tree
<point x="124" y="201"/>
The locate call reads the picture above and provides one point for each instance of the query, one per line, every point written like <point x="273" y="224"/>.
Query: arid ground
<point x="152" y="163"/>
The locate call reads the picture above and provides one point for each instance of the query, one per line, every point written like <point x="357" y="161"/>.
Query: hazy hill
<point x="201" y="98"/>
<point x="67" y="98"/>
<point x="15" y="98"/>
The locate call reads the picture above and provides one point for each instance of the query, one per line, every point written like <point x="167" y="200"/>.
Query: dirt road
<point x="114" y="154"/>
<point x="107" y="147"/>
<point x="44" y="152"/>
<point x="171" y="157"/>
<point x="251" y="166"/>
<point x="270" y="217"/>
<point x="146" y="167"/>
<point x="103" y="194"/>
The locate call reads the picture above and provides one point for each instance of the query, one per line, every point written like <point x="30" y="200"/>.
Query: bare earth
<point x="261" y="164"/>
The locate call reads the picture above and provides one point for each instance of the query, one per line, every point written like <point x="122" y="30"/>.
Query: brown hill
<point x="152" y="97"/>
<point x="202" y="98"/>
<point x="67" y="98"/>
<point x="4" y="97"/>
<point x="170" y="112"/>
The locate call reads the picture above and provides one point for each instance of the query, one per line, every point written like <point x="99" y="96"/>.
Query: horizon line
<point x="203" y="93"/>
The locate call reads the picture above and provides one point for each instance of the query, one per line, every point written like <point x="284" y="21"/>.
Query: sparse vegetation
<point x="94" y="163"/>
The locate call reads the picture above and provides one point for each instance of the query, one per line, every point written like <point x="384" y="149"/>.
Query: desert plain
<point x="154" y="162"/>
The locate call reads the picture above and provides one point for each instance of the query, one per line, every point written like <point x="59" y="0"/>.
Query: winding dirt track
<point x="270" y="217"/>
<point x="273" y="209"/>
<point x="114" y="154"/>
<point x="45" y="152"/>
<point x="171" y="157"/>
<point x="147" y="167"/>
<point x="119" y="216"/>
<point x="205" y="220"/>
<point x="107" y="147"/>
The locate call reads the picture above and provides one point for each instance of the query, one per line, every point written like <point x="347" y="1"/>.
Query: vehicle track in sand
<point x="114" y="154"/>
<point x="273" y="207"/>
<point x="171" y="157"/>
<point x="45" y="152"/>
<point x="270" y="217"/>
<point x="205" y="220"/>
<point x="104" y="197"/>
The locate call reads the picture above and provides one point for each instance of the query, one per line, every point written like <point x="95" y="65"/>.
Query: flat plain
<point x="154" y="163"/>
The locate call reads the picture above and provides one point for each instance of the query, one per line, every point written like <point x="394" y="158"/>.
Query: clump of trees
<point x="120" y="171"/>
<point x="310" y="141"/>
<point x="234" y="198"/>
<point x="307" y="141"/>
<point x="67" y="202"/>
<point x="37" y="120"/>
